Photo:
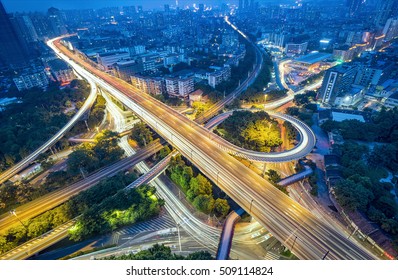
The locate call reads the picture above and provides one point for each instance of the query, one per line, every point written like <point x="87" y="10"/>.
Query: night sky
<point x="43" y="5"/>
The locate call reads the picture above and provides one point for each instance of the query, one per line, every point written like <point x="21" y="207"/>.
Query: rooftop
<point x="57" y="65"/>
<point x="339" y="117"/>
<point x="313" y="57"/>
<point x="197" y="92"/>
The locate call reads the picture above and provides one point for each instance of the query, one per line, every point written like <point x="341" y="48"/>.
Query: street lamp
<point x="179" y="236"/>
<point x="294" y="242"/>
<point x="13" y="212"/>
<point x="251" y="203"/>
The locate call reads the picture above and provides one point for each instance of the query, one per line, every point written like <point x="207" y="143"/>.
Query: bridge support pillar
<point x="264" y="169"/>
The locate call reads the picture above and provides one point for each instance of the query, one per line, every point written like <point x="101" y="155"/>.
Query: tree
<point x="352" y="196"/>
<point x="107" y="149"/>
<point x="164" y="152"/>
<point x="81" y="160"/>
<point x="204" y="203"/>
<point x="301" y="99"/>
<point x="142" y="134"/>
<point x="273" y="176"/>
<point x="290" y="130"/>
<point x="200" y="185"/>
<point x="221" y="207"/>
<point x="161" y="252"/>
<point x="180" y="66"/>
<point x="255" y="131"/>
<point x="384" y="155"/>
<point x="293" y="111"/>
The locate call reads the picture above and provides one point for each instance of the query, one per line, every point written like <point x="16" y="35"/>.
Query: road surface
<point x="287" y="220"/>
<point x="53" y="199"/>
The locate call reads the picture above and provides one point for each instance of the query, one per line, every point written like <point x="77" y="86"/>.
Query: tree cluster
<point x="53" y="218"/>
<point x="361" y="189"/>
<point x="304" y="113"/>
<point x="86" y="159"/>
<point x="198" y="189"/>
<point x="274" y="177"/>
<point x="90" y="157"/>
<point x="290" y="131"/>
<point x="304" y="99"/>
<point x="382" y="127"/>
<point x="123" y="208"/>
<point x="95" y="117"/>
<point x="142" y="134"/>
<point x="37" y="117"/>
<point x="254" y="131"/>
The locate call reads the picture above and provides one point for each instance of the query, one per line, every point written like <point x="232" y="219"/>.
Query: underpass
<point x="317" y="240"/>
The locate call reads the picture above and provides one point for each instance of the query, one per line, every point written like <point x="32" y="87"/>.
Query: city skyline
<point x="43" y="5"/>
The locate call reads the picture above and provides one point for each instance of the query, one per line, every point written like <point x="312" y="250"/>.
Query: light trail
<point x="265" y="203"/>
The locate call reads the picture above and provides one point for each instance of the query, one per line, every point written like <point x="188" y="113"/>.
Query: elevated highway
<point x="53" y="199"/>
<point x="205" y="116"/>
<point x="287" y="220"/>
<point x="27" y="160"/>
<point x="306" y="144"/>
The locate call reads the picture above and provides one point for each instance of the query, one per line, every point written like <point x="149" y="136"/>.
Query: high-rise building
<point x="390" y="29"/>
<point x="107" y="60"/>
<point x="57" y="25"/>
<point x="179" y="87"/>
<point x="149" y="85"/>
<point x="12" y="52"/>
<point x="185" y="86"/>
<point x="124" y="69"/>
<point x="172" y="86"/>
<point x="29" y="81"/>
<point x="61" y="70"/>
<point x="41" y="25"/>
<point x="22" y="34"/>
<point x="337" y="81"/>
<point x="354" y="6"/>
<point x="374" y="74"/>
<point x="385" y="10"/>
<point x="219" y="76"/>
<point x="296" y="49"/>
<point x="23" y="24"/>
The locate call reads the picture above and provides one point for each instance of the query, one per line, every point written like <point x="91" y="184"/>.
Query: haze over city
<point x="41" y="5"/>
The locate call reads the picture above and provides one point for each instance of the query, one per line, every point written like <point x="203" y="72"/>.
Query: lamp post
<point x="251" y="203"/>
<point x="294" y="242"/>
<point x="179" y="236"/>
<point x="13" y="212"/>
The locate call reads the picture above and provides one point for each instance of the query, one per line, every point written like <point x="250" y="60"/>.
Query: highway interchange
<point x="287" y="220"/>
<point x="53" y="199"/>
<point x="291" y="223"/>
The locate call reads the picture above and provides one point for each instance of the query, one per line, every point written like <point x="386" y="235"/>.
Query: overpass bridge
<point x="284" y="218"/>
